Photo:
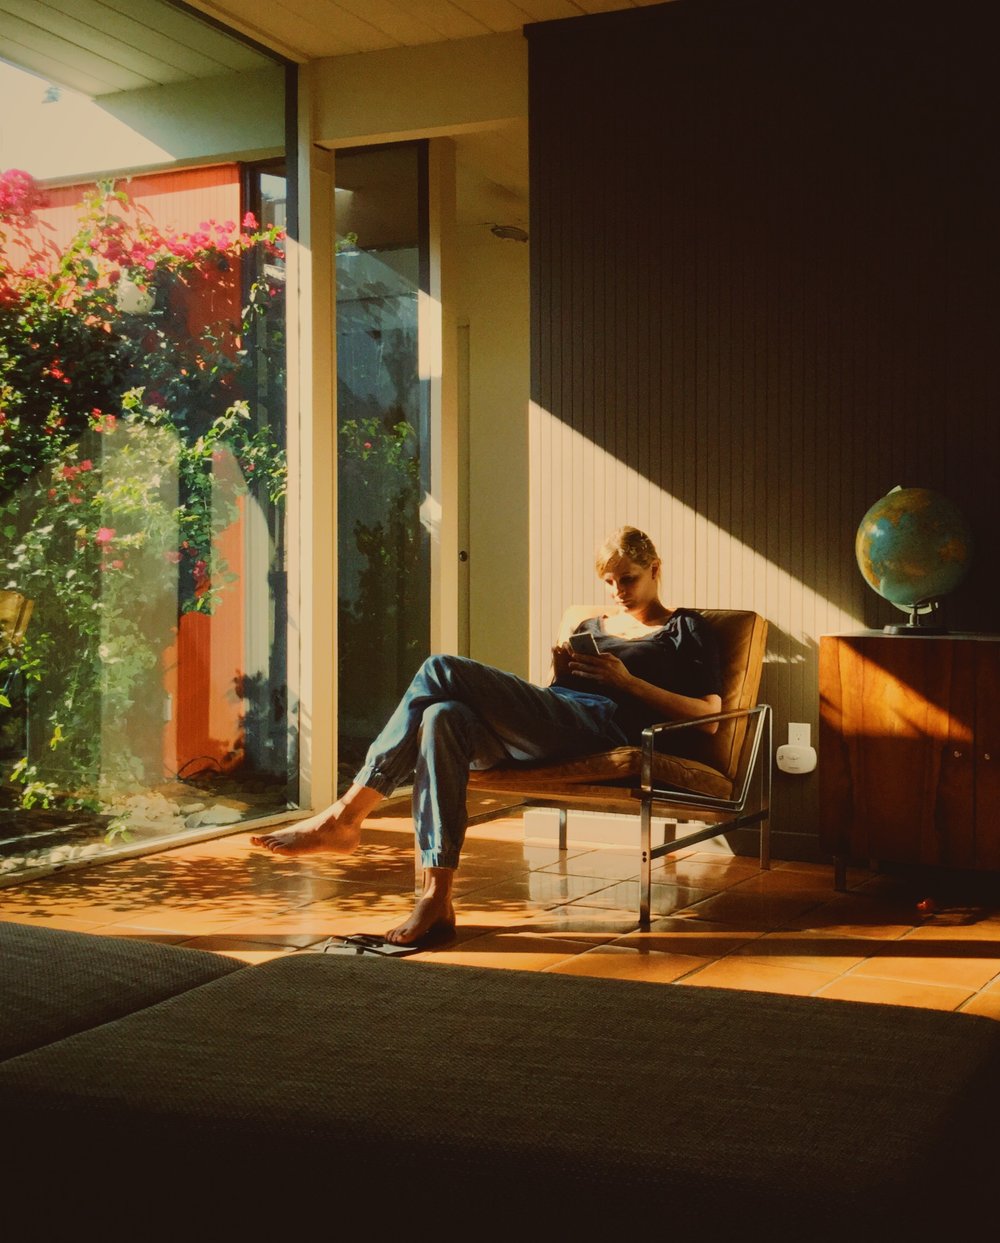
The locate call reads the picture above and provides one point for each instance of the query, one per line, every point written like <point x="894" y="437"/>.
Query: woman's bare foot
<point x="322" y="834"/>
<point x="434" y="912"/>
<point x="337" y="830"/>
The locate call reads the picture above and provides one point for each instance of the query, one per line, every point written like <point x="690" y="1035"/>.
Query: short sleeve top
<point x="680" y="656"/>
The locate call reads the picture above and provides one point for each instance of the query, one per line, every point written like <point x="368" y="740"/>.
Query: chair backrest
<point x="15" y="613"/>
<point x="741" y="636"/>
<point x="742" y="640"/>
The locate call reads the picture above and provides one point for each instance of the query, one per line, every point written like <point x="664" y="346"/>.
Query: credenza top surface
<point x="965" y="635"/>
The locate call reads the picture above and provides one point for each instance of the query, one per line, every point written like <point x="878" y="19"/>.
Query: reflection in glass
<point x="383" y="551"/>
<point x="142" y="485"/>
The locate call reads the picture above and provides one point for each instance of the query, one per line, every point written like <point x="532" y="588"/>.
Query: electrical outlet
<point x="798" y="734"/>
<point x="795" y="759"/>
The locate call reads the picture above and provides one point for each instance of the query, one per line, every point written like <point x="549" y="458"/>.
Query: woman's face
<point x="632" y="586"/>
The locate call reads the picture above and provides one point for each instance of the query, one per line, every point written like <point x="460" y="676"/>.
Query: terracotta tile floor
<point x="718" y="921"/>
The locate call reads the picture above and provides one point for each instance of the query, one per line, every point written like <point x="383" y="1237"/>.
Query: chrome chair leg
<point x="766" y="760"/>
<point x="645" y="862"/>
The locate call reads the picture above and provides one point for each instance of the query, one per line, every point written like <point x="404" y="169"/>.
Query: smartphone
<point x="584" y="642"/>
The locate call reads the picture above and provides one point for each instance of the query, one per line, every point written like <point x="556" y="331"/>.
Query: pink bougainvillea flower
<point x="19" y="195"/>
<point x="118" y="565"/>
<point x="86" y="464"/>
<point x="104" y="535"/>
<point x="70" y="472"/>
<point x="76" y="500"/>
<point x="250" y="221"/>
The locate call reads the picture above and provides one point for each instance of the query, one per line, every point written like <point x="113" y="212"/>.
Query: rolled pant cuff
<point x="438" y="859"/>
<point x="373" y="779"/>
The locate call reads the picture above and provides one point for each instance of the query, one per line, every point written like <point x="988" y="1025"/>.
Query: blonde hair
<point x="627" y="543"/>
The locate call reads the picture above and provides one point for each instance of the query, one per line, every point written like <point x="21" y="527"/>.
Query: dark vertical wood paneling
<point x="765" y="270"/>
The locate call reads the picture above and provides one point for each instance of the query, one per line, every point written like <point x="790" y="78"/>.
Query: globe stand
<point x="916" y="625"/>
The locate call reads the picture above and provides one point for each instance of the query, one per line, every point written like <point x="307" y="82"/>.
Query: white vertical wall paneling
<point x="563" y="574"/>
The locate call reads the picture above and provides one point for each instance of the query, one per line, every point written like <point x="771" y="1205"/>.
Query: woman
<point x="653" y="663"/>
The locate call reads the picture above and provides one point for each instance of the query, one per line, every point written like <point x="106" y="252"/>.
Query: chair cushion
<point x="620" y="766"/>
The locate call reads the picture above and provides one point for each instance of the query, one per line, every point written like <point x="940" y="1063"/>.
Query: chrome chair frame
<point x="728" y="814"/>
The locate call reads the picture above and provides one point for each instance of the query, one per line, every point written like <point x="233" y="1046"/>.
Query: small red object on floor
<point x="927" y="906"/>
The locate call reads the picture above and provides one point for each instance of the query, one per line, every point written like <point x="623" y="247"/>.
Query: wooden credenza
<point x="909" y="749"/>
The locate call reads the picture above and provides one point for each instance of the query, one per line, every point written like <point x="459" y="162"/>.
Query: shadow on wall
<point x="785" y="649"/>
<point x="766" y="272"/>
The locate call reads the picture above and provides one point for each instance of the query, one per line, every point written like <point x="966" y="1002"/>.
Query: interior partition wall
<point x="764" y="292"/>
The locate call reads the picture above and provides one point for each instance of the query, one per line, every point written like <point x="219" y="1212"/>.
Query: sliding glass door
<point x="383" y="438"/>
<point x="143" y="610"/>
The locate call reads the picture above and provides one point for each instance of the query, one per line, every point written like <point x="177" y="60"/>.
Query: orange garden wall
<point x="201" y="668"/>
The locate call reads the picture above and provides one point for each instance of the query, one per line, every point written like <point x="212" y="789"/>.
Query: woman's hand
<point x="561" y="654"/>
<point x="608" y="670"/>
<point x="605" y="669"/>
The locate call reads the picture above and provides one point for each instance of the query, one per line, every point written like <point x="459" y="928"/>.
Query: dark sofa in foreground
<point x="162" y="1088"/>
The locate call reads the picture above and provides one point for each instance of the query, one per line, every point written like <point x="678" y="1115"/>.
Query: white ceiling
<point x="305" y="29"/>
<point x="102" y="46"/>
<point x="98" y="47"/>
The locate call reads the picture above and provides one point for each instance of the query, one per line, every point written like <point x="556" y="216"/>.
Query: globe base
<point x="924" y="619"/>
<point x="909" y="628"/>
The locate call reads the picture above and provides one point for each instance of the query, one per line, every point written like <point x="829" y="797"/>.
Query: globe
<point x="913" y="547"/>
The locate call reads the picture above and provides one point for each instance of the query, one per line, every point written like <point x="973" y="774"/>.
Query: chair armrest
<point x="652" y="732"/>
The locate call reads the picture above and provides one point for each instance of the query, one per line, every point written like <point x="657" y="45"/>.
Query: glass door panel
<point x="382" y="423"/>
<point x="142" y="492"/>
